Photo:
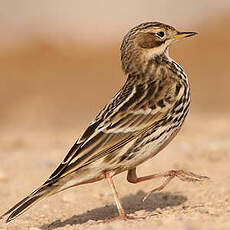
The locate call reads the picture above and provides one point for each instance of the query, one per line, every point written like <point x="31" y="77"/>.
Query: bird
<point x="139" y="121"/>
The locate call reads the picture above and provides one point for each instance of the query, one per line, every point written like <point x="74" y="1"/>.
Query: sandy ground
<point x="48" y="95"/>
<point x="201" y="147"/>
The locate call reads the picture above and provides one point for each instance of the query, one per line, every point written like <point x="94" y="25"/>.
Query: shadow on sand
<point x="131" y="204"/>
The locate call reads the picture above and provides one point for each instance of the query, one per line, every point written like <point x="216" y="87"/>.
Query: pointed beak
<point x="180" y="35"/>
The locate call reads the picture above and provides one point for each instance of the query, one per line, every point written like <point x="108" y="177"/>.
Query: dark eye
<point x="160" y="34"/>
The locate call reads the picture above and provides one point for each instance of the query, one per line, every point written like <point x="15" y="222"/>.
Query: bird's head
<point x="147" y="41"/>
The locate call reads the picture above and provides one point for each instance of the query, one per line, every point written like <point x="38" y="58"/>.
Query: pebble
<point x="90" y="222"/>
<point x="203" y="210"/>
<point x="158" y="210"/>
<point x="140" y="213"/>
<point x="2" y="176"/>
<point x="69" y="197"/>
<point x="227" y="209"/>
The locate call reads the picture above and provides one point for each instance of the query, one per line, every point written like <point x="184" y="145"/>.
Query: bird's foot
<point x="182" y="175"/>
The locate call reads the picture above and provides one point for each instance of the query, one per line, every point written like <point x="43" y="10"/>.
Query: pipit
<point x="139" y="121"/>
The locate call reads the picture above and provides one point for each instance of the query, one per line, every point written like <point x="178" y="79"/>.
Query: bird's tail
<point x="39" y="194"/>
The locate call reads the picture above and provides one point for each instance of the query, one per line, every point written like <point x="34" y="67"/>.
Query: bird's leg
<point x="115" y="194"/>
<point x="181" y="174"/>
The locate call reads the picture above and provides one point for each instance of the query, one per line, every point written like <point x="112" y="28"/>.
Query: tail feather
<point x="23" y="207"/>
<point x="14" y="207"/>
<point x="39" y="194"/>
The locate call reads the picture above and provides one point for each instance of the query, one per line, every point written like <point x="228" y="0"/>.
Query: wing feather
<point x="119" y="123"/>
<point x="106" y="142"/>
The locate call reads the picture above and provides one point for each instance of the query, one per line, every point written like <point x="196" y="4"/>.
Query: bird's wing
<point x="121" y="121"/>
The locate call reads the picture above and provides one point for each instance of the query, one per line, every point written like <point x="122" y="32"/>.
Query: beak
<point x="180" y="35"/>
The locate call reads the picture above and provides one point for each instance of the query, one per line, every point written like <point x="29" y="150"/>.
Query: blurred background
<point x="60" y="60"/>
<point x="60" y="64"/>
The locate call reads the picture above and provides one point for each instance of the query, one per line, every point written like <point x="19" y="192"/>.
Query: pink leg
<point x="181" y="174"/>
<point x="115" y="194"/>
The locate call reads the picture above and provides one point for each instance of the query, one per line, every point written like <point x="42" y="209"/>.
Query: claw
<point x="159" y="188"/>
<point x="190" y="177"/>
<point x="182" y="175"/>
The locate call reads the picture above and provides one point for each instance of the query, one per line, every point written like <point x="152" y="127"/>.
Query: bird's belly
<point x="148" y="148"/>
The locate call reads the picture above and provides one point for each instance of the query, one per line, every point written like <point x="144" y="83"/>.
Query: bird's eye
<point x="160" y="34"/>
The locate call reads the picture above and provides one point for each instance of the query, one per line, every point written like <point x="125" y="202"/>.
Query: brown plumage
<point x="140" y="120"/>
